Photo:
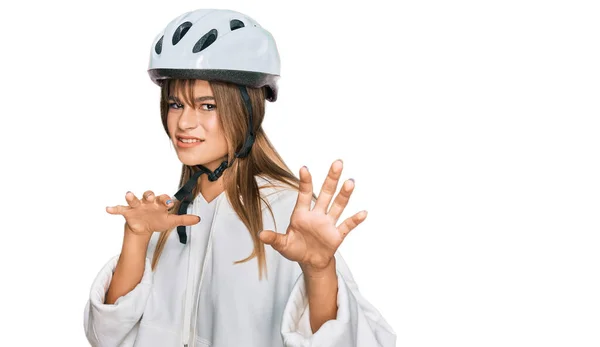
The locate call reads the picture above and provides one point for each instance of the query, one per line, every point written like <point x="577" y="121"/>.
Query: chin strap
<point x="184" y="194"/>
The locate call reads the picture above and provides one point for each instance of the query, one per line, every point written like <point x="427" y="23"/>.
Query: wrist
<point x="310" y="272"/>
<point x="133" y="240"/>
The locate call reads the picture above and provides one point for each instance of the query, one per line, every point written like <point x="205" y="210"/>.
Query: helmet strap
<point x="250" y="136"/>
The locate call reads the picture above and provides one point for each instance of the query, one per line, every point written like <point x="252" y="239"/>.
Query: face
<point x="199" y="124"/>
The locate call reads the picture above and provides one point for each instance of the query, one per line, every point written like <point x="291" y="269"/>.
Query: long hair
<point x="239" y="180"/>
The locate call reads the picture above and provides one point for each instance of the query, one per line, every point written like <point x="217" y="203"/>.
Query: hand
<point x="312" y="237"/>
<point x="150" y="214"/>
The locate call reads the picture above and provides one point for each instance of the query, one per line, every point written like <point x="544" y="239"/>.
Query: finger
<point x="162" y="200"/>
<point x="351" y="223"/>
<point x="276" y="240"/>
<point x="186" y="219"/>
<point x="305" y="190"/>
<point x="117" y="209"/>
<point x="329" y="186"/>
<point x="341" y="200"/>
<point x="132" y="200"/>
<point x="148" y="196"/>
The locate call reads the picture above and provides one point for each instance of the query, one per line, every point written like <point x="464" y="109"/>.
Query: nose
<point x="188" y="119"/>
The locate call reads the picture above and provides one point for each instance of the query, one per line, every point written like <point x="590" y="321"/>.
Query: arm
<point x="357" y="322"/>
<point x="312" y="239"/>
<point x="322" y="290"/>
<point x="115" y="306"/>
<point x="130" y="266"/>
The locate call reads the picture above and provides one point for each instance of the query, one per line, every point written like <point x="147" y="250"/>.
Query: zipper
<point x="192" y="317"/>
<point x="204" y="262"/>
<point x="189" y="285"/>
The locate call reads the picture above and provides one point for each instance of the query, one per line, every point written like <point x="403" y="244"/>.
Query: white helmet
<point x="218" y="45"/>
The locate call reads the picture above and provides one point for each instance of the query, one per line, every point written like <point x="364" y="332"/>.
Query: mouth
<point x="186" y="143"/>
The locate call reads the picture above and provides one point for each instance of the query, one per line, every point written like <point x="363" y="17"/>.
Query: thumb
<point x="188" y="219"/>
<point x="276" y="240"/>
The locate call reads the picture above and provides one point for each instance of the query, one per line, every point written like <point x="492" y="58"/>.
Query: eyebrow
<point x="198" y="99"/>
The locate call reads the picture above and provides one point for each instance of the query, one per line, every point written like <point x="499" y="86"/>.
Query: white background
<point x="470" y="127"/>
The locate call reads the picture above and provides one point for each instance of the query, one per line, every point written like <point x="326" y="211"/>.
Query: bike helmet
<point x="220" y="45"/>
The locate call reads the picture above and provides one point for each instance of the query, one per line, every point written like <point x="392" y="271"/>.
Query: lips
<point x="181" y="136"/>
<point x="186" y="140"/>
<point x="181" y="144"/>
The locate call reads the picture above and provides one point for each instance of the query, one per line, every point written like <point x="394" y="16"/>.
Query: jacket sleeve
<point x="357" y="324"/>
<point x="117" y="324"/>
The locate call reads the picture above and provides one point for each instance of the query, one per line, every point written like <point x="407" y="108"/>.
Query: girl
<point x="195" y="271"/>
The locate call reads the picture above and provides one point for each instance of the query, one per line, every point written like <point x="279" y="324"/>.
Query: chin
<point x="194" y="162"/>
<point x="190" y="160"/>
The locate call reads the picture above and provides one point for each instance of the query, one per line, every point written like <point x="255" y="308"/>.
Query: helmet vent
<point x="181" y="31"/>
<point x="158" y="47"/>
<point x="236" y="24"/>
<point x="205" y="41"/>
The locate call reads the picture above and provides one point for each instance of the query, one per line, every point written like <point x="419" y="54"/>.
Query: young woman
<point x="246" y="255"/>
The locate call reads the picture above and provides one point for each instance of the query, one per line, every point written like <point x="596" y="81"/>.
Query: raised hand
<point x="312" y="236"/>
<point x="143" y="217"/>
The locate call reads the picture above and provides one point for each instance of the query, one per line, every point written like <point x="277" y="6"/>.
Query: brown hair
<point x="239" y="179"/>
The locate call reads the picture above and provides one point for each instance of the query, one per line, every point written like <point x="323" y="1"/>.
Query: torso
<point x="233" y="307"/>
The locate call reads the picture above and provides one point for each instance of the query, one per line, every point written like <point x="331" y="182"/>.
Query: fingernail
<point x="169" y="201"/>
<point x="352" y="179"/>
<point x="306" y="168"/>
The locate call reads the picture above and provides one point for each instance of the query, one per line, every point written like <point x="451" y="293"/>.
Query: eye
<point x="209" y="107"/>
<point x="173" y="104"/>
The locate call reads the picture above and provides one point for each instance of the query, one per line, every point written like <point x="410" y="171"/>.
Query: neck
<point x="210" y="190"/>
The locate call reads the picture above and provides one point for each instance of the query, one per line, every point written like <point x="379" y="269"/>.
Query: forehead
<point x="182" y="89"/>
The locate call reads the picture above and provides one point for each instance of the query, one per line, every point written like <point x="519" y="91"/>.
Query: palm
<point x="312" y="237"/>
<point x="150" y="214"/>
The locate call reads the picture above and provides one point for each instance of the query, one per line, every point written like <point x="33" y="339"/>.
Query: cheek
<point x="214" y="128"/>
<point x="171" y="123"/>
<point x="212" y="124"/>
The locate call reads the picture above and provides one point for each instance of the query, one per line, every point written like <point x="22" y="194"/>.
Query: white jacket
<point x="232" y="307"/>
